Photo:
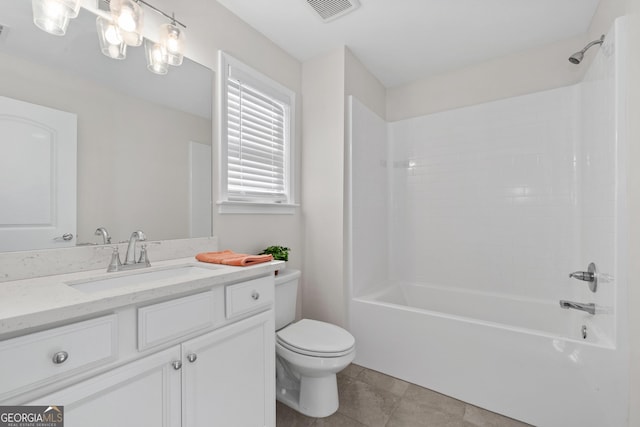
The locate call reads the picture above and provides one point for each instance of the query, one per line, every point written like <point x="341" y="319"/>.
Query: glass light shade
<point x="111" y="42"/>
<point x="73" y="7"/>
<point x="53" y="16"/>
<point x="157" y="58"/>
<point x="129" y="17"/>
<point x="173" y="39"/>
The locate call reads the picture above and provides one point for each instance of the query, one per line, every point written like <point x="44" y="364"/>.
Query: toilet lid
<point x="316" y="337"/>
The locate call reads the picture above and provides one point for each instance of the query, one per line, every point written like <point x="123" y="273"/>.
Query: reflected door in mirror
<point x="200" y="190"/>
<point x="37" y="176"/>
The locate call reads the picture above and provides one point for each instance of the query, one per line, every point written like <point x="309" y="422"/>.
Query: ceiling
<point x="400" y="41"/>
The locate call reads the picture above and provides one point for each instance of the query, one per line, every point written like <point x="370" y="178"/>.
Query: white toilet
<point x="309" y="353"/>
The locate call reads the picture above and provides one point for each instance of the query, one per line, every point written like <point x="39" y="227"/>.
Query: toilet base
<point x="316" y="397"/>
<point x="308" y="383"/>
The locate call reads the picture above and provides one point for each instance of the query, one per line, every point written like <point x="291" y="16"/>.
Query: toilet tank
<point x="286" y="297"/>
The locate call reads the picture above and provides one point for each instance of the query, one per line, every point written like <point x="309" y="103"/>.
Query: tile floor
<point x="371" y="399"/>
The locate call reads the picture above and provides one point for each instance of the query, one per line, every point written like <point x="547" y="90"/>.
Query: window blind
<point x="256" y="145"/>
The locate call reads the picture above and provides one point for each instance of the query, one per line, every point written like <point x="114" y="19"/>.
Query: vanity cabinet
<point x="34" y="360"/>
<point x="228" y="377"/>
<point x="146" y="392"/>
<point x="223" y="378"/>
<point x="201" y="360"/>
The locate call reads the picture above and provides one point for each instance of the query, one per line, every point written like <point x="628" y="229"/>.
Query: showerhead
<point x="577" y="57"/>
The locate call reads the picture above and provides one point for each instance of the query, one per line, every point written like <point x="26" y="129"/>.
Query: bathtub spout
<point x="589" y="308"/>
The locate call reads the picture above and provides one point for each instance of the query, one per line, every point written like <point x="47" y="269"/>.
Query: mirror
<point x="137" y="132"/>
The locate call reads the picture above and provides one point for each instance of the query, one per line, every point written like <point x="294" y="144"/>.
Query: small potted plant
<point x="279" y="253"/>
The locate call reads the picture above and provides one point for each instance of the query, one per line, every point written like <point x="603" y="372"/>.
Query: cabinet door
<point x="231" y="382"/>
<point x="142" y="393"/>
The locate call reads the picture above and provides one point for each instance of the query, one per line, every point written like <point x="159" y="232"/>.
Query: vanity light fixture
<point x="111" y="41"/>
<point x="173" y="39"/>
<point x="157" y="58"/>
<point x="53" y="16"/>
<point x="121" y="27"/>
<point x="129" y="17"/>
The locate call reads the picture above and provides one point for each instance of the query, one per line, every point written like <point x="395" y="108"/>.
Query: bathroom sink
<point x="186" y="272"/>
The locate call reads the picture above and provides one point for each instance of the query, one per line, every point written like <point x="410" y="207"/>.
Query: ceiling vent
<point x="333" y="9"/>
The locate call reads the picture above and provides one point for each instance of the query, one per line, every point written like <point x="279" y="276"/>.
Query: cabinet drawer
<point x="245" y="297"/>
<point x="37" y="359"/>
<point x="166" y="321"/>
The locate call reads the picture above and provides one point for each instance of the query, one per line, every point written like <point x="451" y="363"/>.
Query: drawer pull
<point x="176" y="364"/>
<point x="192" y="357"/>
<point x="60" y="357"/>
<point x="255" y="295"/>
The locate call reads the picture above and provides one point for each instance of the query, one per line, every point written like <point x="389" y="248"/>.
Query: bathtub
<point x="526" y="359"/>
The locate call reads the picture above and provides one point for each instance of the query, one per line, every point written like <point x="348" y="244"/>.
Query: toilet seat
<point x="315" y="338"/>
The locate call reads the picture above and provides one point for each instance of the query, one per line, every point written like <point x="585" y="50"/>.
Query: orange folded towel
<point x="229" y="257"/>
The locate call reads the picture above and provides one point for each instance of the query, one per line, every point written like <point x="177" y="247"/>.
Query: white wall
<point x="510" y="196"/>
<point x="364" y="95"/>
<point x="368" y="170"/>
<point x="601" y="160"/>
<point x="485" y="196"/>
<point x="360" y="83"/>
<point x="633" y="200"/>
<point x="529" y="71"/>
<point x="327" y="81"/>
<point x="606" y="12"/>
<point x="323" y="187"/>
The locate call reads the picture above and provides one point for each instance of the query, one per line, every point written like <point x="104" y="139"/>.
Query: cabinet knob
<point x="192" y="357"/>
<point x="176" y="364"/>
<point x="60" y="357"/>
<point x="255" y="295"/>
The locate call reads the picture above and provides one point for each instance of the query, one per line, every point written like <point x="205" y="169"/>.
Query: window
<point x="256" y="124"/>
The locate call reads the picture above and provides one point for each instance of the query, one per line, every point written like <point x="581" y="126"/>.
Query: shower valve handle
<point x="591" y="276"/>
<point x="583" y="275"/>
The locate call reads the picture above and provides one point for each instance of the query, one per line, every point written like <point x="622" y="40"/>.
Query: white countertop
<point x="33" y="303"/>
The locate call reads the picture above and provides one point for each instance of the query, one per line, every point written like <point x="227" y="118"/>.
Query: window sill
<point x="226" y="207"/>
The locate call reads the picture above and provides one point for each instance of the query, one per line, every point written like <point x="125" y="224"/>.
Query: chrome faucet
<point x="130" y="258"/>
<point x="101" y="231"/>
<point x="589" y="308"/>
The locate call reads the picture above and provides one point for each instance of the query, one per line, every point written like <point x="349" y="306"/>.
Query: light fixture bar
<point x="172" y="17"/>
<point x="155" y="9"/>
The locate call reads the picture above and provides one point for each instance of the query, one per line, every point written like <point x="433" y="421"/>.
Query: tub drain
<point x="584" y="332"/>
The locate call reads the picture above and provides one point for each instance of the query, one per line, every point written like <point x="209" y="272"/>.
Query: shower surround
<point x="484" y="211"/>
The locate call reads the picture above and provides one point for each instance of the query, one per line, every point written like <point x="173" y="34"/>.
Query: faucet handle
<point x="115" y="264"/>
<point x="591" y="276"/>
<point x="144" y="259"/>
<point x="583" y="275"/>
